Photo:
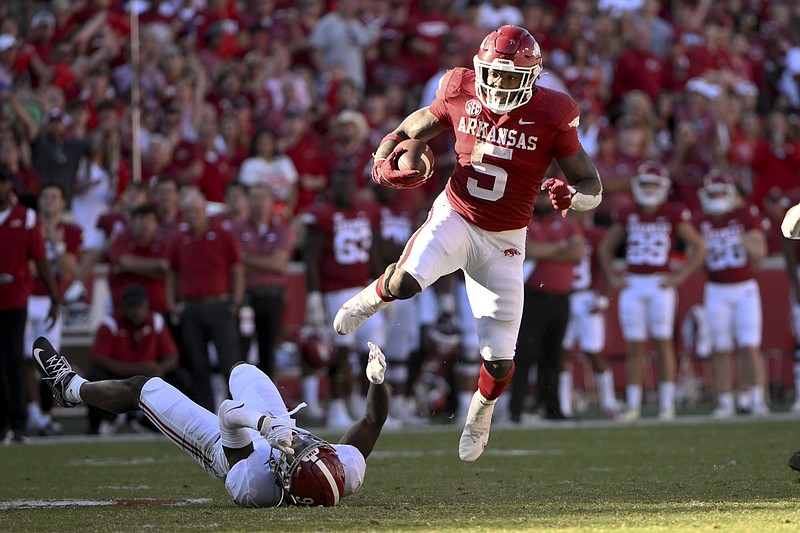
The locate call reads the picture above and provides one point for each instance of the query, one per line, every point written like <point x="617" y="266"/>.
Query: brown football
<point x="418" y="156"/>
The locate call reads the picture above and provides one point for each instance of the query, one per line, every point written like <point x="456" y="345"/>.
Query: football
<point x="418" y="156"/>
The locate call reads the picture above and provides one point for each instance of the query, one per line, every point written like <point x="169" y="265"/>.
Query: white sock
<point x="337" y="406"/>
<point x="565" y="392"/>
<point x="633" y="394"/>
<point x="757" y="394"/>
<point x="604" y="382"/>
<point x="234" y="417"/>
<point x="726" y="400"/>
<point x="744" y="400"/>
<point x="34" y="411"/>
<point x="72" y="392"/>
<point x="797" y="379"/>
<point x="666" y="396"/>
<point x="310" y="386"/>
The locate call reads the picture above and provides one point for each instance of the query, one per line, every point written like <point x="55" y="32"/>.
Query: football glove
<point x="385" y="172"/>
<point x="376" y="365"/>
<point x="560" y="193"/>
<point x="277" y="433"/>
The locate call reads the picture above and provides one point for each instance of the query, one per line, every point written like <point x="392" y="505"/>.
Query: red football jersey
<point x="651" y="237"/>
<point x="726" y="258"/>
<point x="348" y="240"/>
<point x="552" y="277"/>
<point x="117" y="340"/>
<point x="501" y="159"/>
<point x="587" y="273"/>
<point x="21" y="239"/>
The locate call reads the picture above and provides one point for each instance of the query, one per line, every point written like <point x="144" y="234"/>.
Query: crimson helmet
<point x="316" y="347"/>
<point x="651" y="184"/>
<point x="314" y="475"/>
<point x="508" y="49"/>
<point x="718" y="193"/>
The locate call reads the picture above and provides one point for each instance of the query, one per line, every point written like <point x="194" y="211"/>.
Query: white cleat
<point x="795" y="407"/>
<point x="629" y="416"/>
<point x="476" y="429"/>
<point x="376" y="364"/>
<point x="358" y="309"/>
<point x="723" y="413"/>
<point x="667" y="415"/>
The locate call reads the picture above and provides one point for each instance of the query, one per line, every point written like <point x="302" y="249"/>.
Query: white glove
<point x="376" y="365"/>
<point x="278" y="434"/>
<point x="790" y="227"/>
<point x="315" y="310"/>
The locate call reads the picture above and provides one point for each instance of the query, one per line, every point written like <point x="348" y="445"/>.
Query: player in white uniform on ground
<point x="252" y="444"/>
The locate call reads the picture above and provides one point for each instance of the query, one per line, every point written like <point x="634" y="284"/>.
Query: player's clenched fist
<point x="560" y="193"/>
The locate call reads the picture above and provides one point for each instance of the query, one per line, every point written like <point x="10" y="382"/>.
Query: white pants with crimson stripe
<point x="196" y="430"/>
<point x="492" y="265"/>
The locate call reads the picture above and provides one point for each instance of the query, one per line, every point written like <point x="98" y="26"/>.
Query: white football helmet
<point x="718" y="194"/>
<point x="651" y="184"/>
<point x="509" y="49"/>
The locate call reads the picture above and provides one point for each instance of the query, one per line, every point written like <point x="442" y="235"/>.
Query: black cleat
<point x="794" y="462"/>
<point x="54" y="370"/>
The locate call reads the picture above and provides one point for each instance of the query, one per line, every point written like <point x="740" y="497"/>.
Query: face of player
<point x="500" y="82"/>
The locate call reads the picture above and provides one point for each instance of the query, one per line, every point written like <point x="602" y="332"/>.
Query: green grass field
<point x="691" y="475"/>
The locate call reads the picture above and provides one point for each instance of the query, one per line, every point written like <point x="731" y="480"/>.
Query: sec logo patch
<point x="473" y="108"/>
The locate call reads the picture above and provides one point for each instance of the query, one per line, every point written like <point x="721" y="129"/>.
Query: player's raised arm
<point x="364" y="433"/>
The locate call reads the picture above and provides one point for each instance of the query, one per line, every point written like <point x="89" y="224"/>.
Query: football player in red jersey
<point x="648" y="296"/>
<point x="252" y="444"/>
<point x="586" y="328"/>
<point x="508" y="131"/>
<point x="340" y="248"/>
<point x="736" y="240"/>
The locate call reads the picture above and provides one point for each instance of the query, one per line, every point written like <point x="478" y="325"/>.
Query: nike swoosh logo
<point x="36" y="353"/>
<point x="526" y="122"/>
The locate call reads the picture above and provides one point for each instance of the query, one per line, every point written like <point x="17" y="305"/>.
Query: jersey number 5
<point x="499" y="174"/>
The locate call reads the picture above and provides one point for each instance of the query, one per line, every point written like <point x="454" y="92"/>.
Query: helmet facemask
<point x="504" y="100"/>
<point x="650" y="190"/>
<point x="718" y="195"/>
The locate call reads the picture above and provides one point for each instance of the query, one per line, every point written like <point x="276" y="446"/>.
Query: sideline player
<point x="508" y="131"/>
<point x="736" y="242"/>
<point x="648" y="289"/>
<point x="252" y="445"/>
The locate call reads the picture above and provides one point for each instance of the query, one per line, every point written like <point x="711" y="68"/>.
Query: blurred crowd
<point x="248" y="114"/>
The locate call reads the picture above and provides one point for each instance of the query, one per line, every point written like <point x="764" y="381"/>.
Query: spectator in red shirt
<point x="302" y="145"/>
<point x="556" y="244"/>
<point x="266" y="245"/>
<point x="639" y="68"/>
<point x="205" y="288"/>
<point x="166" y="197"/>
<point x="22" y="242"/>
<point x="139" y="256"/>
<point x="134" y="342"/>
